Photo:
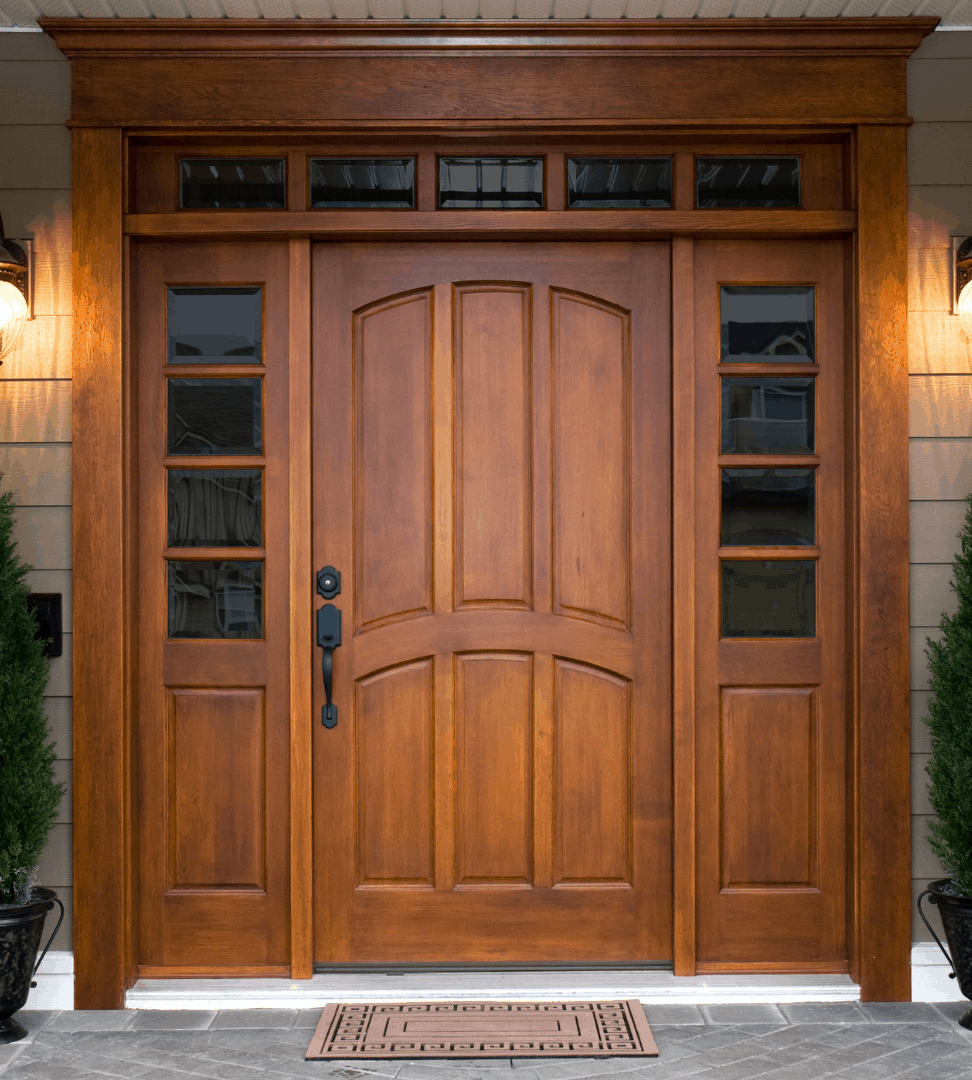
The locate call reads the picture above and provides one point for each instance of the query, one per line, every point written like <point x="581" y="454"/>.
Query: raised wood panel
<point x="56" y="866"/>
<point x="592" y="781"/>
<point x="941" y="152"/>
<point x="940" y="468"/>
<point x="918" y="636"/>
<point x="928" y="280"/>
<point x="940" y="406"/>
<point x="591" y="379"/>
<point x="494" y="756"/>
<point x="931" y="593"/>
<point x="935" y="528"/>
<point x="224" y="927"/>
<point x="43" y="536"/>
<point x="393" y="717"/>
<point x="493" y="379"/>
<point x="393" y="472"/>
<point x="34" y="155"/>
<point x="64" y="774"/>
<point x="768" y="787"/>
<point x="58" y="712"/>
<point x="36" y="92"/>
<point x="37" y="475"/>
<point x="217" y="796"/>
<point x="44" y="352"/>
<point x="35" y="410"/>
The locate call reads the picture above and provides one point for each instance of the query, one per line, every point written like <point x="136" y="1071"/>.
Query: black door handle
<point x="329" y="638"/>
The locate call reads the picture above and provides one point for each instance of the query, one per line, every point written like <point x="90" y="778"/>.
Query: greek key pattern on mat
<point x="483" y="1029"/>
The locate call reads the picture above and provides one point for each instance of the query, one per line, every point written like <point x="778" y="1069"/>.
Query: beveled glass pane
<point x="767" y="416"/>
<point x="767" y="324"/>
<point x="214" y="416"/>
<point x="365" y="183"/>
<point x="215" y="325"/>
<point x="490" y="183"/>
<point x="240" y="183"/>
<point x="215" y="599"/>
<point x="767" y="506"/>
<point x="747" y="181"/>
<point x="215" y="508"/>
<point x="768" y="599"/>
<point x="618" y="183"/>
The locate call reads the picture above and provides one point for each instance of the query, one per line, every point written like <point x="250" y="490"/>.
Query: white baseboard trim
<point x="55" y="987"/>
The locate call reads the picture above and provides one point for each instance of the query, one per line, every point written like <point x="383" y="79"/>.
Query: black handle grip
<point x="329" y="639"/>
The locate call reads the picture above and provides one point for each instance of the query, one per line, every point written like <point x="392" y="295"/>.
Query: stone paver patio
<point x="713" y="1042"/>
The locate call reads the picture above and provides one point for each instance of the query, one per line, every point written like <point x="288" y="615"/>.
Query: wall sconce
<point x="15" y="307"/>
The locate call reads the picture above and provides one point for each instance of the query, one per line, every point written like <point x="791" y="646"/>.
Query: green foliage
<point x="950" y="722"/>
<point x="29" y="795"/>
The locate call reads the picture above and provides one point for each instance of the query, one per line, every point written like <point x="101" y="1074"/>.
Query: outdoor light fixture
<point x="14" y="293"/>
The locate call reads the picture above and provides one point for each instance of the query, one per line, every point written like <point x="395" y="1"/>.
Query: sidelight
<point x="763" y="507"/>
<point x="767" y="416"/>
<point x="214" y="325"/>
<point x="771" y="599"/>
<point x="215" y="508"/>
<point x="214" y="416"/>
<point x="209" y="599"/>
<point x="765" y="324"/>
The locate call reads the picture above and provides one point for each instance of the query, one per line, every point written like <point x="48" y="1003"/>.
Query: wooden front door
<point x="492" y="480"/>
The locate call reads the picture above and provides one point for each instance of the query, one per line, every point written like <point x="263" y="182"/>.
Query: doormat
<point x="488" y="1029"/>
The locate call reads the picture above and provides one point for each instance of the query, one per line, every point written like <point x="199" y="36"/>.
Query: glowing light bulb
<point x="965" y="310"/>
<point x="13" y="316"/>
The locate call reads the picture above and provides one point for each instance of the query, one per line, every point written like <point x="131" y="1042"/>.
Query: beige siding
<point x="940" y="361"/>
<point x="35" y="387"/>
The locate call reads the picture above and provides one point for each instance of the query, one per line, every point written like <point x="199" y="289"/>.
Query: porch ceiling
<point x="25" y="13"/>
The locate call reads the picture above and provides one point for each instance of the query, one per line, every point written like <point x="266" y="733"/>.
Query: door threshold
<point x="560" y="984"/>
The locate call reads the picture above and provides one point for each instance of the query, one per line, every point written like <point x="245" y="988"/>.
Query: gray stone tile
<point x="953" y="1010"/>
<point x="9" y="1052"/>
<point x="255" y="1018"/>
<point x="91" y="1020"/>
<point x="172" y="1020"/>
<point x="900" y="1012"/>
<point x="823" y="1012"/>
<point x="673" y="1014"/>
<point x="308" y="1018"/>
<point x="742" y="1014"/>
<point x="35" y="1020"/>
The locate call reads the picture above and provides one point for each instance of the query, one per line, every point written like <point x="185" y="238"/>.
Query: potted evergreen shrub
<point x="950" y="768"/>
<point x="29" y="794"/>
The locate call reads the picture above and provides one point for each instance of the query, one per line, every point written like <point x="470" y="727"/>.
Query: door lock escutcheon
<point x="328" y="582"/>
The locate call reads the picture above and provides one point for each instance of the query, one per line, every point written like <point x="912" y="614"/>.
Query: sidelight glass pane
<point x="768" y="599"/>
<point x="747" y="181"/>
<point x="767" y="506"/>
<point x="221" y="183"/>
<point x="214" y="416"/>
<point x="765" y="324"/>
<point x="215" y="508"/>
<point x="500" y="183"/>
<point x="365" y="183"/>
<point x="215" y="599"/>
<point x="618" y="183"/>
<point x="767" y="416"/>
<point x="215" y="325"/>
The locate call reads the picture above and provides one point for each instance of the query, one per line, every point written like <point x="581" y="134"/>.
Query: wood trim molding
<point x="99" y="532"/>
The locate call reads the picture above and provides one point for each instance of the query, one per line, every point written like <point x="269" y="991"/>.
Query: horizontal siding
<point x="34" y="155"/>
<point x="932" y="594"/>
<point x="35" y="410"/>
<point x="22" y="207"/>
<point x="919" y="661"/>
<point x="939" y="406"/>
<point x="58" y="711"/>
<point x="36" y="47"/>
<point x="43" y="535"/>
<point x="55" y="864"/>
<point x="920" y="737"/>
<point x="937" y="345"/>
<point x="38" y="474"/>
<point x="941" y="153"/>
<point x="934" y="530"/>
<point x="44" y="352"/>
<point x="35" y="92"/>
<point x="931" y="90"/>
<point x="941" y="468"/>
<point x="54" y="581"/>
<point x="64" y="774"/>
<point x="928" y="279"/>
<point x="61" y="680"/>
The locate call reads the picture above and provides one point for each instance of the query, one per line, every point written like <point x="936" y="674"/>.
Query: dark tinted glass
<point x="765" y="324"/>
<point x="619" y="183"/>
<point x="215" y="599"/>
<point x="747" y="181"/>
<point x="218" y="183"/>
<point x="499" y="183"/>
<point x="767" y="416"/>
<point x="366" y="183"/>
<point x="214" y="416"/>
<point x="768" y="599"/>
<point x="215" y="508"/>
<point x="767" y="506"/>
<point x="215" y="325"/>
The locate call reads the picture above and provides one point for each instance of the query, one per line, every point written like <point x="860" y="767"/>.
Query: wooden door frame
<point x="138" y="78"/>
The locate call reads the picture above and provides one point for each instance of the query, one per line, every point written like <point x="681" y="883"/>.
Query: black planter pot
<point x="956" y="913"/>
<point x="20" y="935"/>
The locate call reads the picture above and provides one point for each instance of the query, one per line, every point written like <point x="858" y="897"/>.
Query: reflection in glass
<point x="219" y="183"/>
<point x="215" y="508"/>
<point x="214" y="416"/>
<point x="365" y="183"/>
<point x="767" y="506"/>
<point x="767" y="416"/>
<point x="768" y="599"/>
<point x="767" y="324"/>
<point x="215" y="599"/>
<point x="747" y="181"/>
<point x="500" y="183"/>
<point x="618" y="183"/>
<point x="215" y="325"/>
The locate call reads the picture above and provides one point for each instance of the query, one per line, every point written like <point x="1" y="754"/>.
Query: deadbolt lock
<point x="328" y="582"/>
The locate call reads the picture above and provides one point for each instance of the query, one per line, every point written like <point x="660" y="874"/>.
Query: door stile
<point x="683" y="600"/>
<point x="301" y="600"/>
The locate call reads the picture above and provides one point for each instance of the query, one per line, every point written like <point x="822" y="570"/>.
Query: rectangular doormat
<point x="471" y="1029"/>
